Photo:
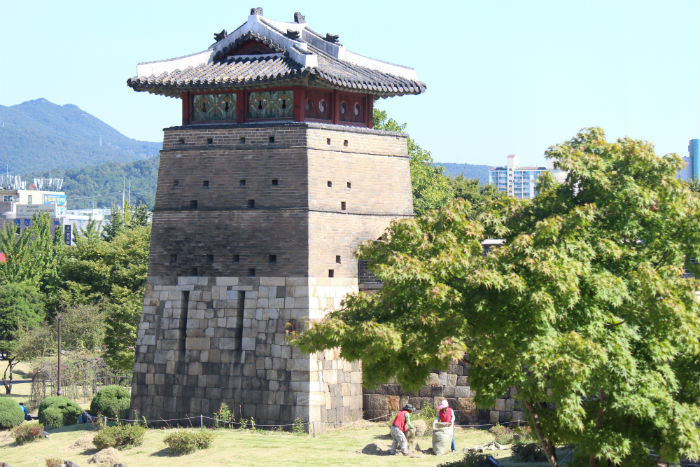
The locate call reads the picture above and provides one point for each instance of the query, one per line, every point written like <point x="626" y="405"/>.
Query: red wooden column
<point x="299" y="103"/>
<point x="370" y="111"/>
<point x="186" y="98"/>
<point x="335" y="107"/>
<point x="241" y="106"/>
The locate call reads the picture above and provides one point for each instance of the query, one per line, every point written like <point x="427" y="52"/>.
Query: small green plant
<point x="54" y="462"/>
<point x="185" y="442"/>
<point x="523" y="435"/>
<point x="502" y="433"/>
<point x="61" y="411"/>
<point x="28" y="432"/>
<point x="248" y="423"/>
<point x="111" y="401"/>
<point x="428" y="412"/>
<point x="223" y="416"/>
<point x="11" y="414"/>
<point x="119" y="436"/>
<point x="299" y="426"/>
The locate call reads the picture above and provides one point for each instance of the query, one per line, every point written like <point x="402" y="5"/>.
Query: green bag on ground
<point x="442" y="438"/>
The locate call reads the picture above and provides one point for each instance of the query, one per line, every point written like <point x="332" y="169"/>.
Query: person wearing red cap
<point x="447" y="415"/>
<point x="398" y="429"/>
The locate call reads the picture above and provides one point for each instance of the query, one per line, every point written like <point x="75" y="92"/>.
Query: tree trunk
<point x="547" y="446"/>
<point x="599" y="421"/>
<point x="5" y="381"/>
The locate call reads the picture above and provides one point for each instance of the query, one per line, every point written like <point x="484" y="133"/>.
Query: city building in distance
<point x="691" y="171"/>
<point x="519" y="182"/>
<point x="21" y="201"/>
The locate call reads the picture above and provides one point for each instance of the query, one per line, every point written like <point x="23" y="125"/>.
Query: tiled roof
<point x="302" y="57"/>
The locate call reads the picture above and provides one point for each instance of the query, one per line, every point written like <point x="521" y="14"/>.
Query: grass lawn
<point x="360" y="444"/>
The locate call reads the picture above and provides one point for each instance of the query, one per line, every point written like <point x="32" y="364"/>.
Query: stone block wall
<point x="452" y="385"/>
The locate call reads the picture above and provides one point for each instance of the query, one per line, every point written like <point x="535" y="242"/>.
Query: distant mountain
<point x="39" y="135"/>
<point x="468" y="170"/>
<point x="100" y="186"/>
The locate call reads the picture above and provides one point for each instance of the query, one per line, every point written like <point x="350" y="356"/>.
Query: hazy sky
<point x="503" y="76"/>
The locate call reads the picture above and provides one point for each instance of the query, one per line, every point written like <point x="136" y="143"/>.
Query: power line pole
<point x="58" y="377"/>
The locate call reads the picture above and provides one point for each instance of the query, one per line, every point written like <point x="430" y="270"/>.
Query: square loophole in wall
<point x="343" y="206"/>
<point x="329" y="183"/>
<point x="275" y="182"/>
<point x="173" y="259"/>
<point x="210" y="259"/>
<point x="210" y="140"/>
<point x="272" y="259"/>
<point x="242" y="140"/>
<point x="236" y="259"/>
<point x="331" y="273"/>
<point x="251" y="203"/>
<point x="205" y="183"/>
<point x="251" y="272"/>
<point x="193" y="204"/>
<point x="349" y="185"/>
<point x="337" y="259"/>
<point x="176" y="183"/>
<point x="271" y="139"/>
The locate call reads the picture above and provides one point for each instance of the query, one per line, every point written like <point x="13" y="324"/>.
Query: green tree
<point x="431" y="189"/>
<point x="33" y="254"/>
<point x="21" y="306"/>
<point x="111" y="274"/>
<point x="480" y="197"/>
<point x="585" y="309"/>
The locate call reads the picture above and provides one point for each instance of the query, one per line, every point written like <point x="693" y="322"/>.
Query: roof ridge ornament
<point x="292" y="34"/>
<point x="220" y="35"/>
<point x="299" y="18"/>
<point x="257" y="11"/>
<point x="332" y="38"/>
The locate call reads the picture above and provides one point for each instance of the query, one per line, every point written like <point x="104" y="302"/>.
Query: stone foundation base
<point x="203" y="341"/>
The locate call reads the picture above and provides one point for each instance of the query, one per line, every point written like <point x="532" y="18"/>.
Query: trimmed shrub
<point x="119" y="436"/>
<point x="61" y="411"/>
<point x="111" y="401"/>
<point x="11" y="414"/>
<point x="185" y="442"/>
<point x="53" y="462"/>
<point x="28" y="432"/>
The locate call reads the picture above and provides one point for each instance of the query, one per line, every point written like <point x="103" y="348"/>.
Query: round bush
<point x="119" y="436"/>
<point x="111" y="401"/>
<point x="11" y="414"/>
<point x="61" y="411"/>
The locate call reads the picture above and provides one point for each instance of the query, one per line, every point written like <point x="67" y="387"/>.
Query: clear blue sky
<point x="506" y="76"/>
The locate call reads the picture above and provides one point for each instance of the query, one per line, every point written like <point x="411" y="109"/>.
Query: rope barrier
<point x="247" y="422"/>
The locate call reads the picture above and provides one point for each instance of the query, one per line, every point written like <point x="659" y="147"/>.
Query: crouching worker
<point x="26" y="412"/>
<point x="402" y="422"/>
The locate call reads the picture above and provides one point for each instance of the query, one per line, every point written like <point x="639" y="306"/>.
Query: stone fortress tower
<point x="264" y="193"/>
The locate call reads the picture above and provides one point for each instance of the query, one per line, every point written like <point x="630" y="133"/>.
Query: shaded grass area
<point x="360" y="444"/>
